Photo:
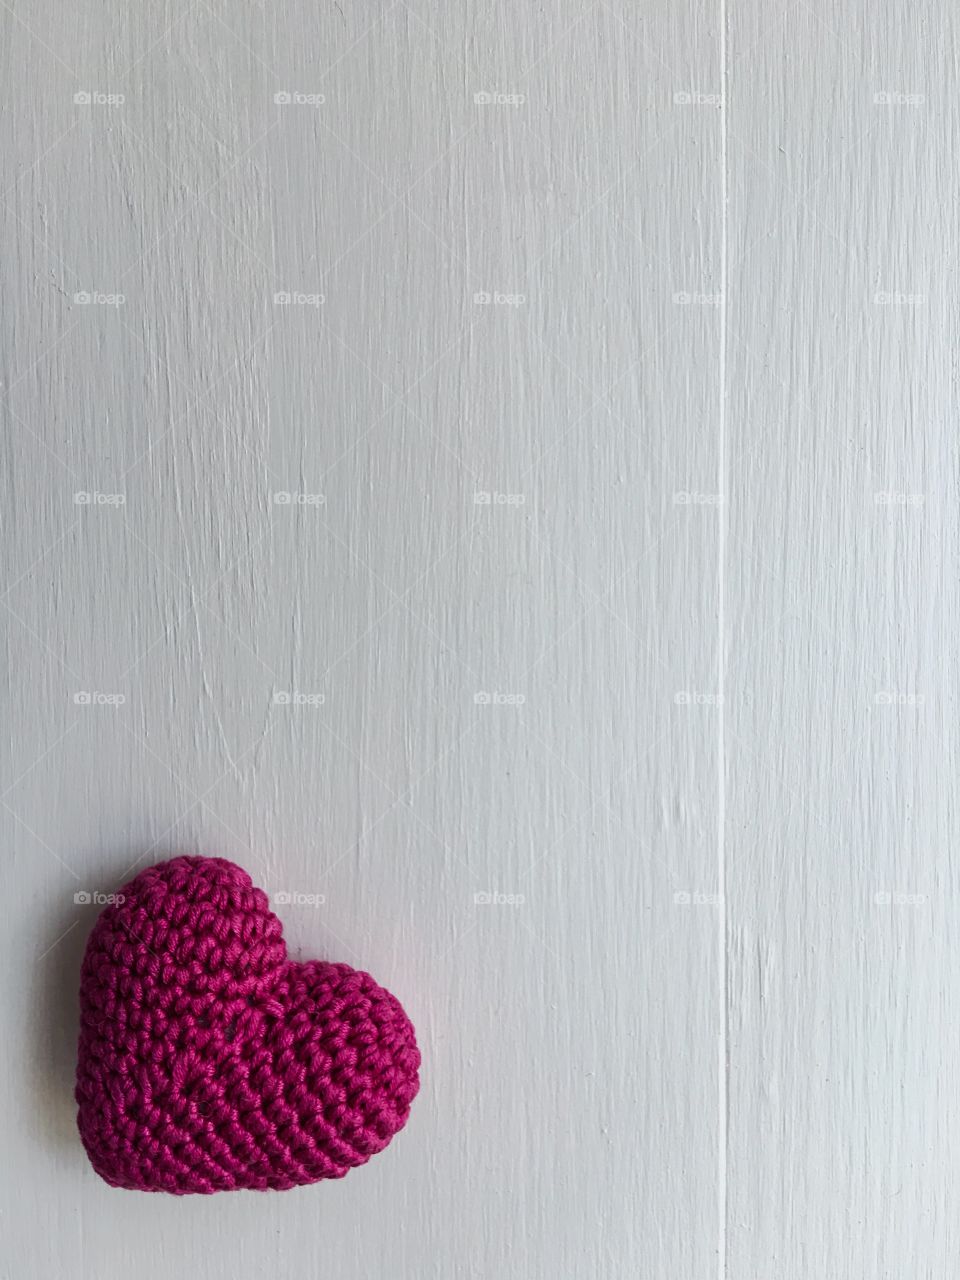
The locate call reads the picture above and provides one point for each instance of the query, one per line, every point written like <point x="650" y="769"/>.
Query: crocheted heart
<point x="209" y="1061"/>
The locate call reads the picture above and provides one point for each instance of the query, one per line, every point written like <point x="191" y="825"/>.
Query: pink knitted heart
<point x="210" y="1062"/>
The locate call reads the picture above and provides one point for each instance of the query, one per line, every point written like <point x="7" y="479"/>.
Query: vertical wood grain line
<point x="723" y="1054"/>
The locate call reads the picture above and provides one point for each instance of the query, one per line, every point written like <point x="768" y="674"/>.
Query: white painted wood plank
<point x="568" y="1121"/>
<point x="842" y="640"/>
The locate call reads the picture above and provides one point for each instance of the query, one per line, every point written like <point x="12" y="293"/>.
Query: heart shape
<point x="209" y="1061"/>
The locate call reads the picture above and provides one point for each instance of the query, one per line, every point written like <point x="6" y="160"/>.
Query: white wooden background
<point x="623" y="393"/>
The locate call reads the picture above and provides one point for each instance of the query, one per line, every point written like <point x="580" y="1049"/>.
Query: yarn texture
<point x="209" y="1061"/>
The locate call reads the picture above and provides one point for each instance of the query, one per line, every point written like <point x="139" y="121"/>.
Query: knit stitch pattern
<point x="209" y="1061"/>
